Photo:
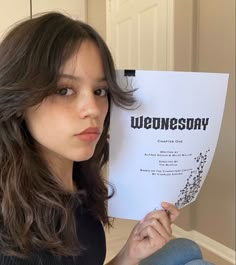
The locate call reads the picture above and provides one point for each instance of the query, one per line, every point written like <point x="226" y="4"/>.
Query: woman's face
<point x="68" y="124"/>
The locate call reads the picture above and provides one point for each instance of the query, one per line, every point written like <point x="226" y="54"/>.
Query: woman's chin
<point x="83" y="157"/>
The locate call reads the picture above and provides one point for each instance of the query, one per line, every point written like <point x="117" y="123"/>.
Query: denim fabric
<point x="178" y="251"/>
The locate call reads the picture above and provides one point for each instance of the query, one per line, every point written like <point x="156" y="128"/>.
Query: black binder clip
<point x="129" y="72"/>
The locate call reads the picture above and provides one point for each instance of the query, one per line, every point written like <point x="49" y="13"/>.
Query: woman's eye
<point x="102" y="92"/>
<point x="65" y="91"/>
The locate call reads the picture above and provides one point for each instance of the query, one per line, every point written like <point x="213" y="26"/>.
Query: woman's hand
<point x="149" y="235"/>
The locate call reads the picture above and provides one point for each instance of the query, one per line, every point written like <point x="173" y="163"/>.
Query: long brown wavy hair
<point x="31" y="55"/>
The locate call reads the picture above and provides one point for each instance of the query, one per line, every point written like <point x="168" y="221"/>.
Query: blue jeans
<point x="178" y="251"/>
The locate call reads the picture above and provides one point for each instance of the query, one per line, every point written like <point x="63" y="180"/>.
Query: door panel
<point x="147" y="19"/>
<point x="124" y="47"/>
<point x="138" y="32"/>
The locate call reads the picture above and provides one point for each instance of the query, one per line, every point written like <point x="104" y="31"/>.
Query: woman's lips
<point x="89" y="135"/>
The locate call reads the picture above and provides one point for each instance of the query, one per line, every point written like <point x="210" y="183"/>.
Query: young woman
<point x="57" y="80"/>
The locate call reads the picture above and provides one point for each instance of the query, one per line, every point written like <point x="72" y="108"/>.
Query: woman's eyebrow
<point x="78" y="78"/>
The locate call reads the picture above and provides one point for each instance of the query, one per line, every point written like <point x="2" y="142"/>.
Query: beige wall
<point x="96" y="16"/>
<point x="213" y="50"/>
<point x="210" y="47"/>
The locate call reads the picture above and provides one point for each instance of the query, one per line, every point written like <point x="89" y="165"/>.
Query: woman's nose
<point x="89" y="106"/>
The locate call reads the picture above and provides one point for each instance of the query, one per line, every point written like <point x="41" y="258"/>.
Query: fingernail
<point x="164" y="204"/>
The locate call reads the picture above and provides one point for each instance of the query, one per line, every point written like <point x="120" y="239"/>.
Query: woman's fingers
<point x="153" y="236"/>
<point x="171" y="210"/>
<point x="153" y="223"/>
<point x="162" y="217"/>
<point x="150" y="234"/>
<point x="146" y="238"/>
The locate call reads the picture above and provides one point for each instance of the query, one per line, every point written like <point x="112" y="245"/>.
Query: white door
<point x="12" y="11"/>
<point x="75" y="8"/>
<point x="140" y="33"/>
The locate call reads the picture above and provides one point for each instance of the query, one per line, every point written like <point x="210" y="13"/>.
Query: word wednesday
<point x="169" y="123"/>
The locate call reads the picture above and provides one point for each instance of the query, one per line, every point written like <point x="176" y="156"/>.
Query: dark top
<point x="91" y="236"/>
